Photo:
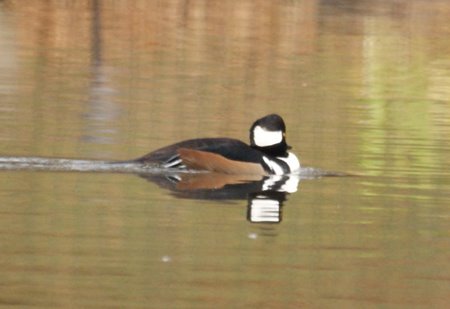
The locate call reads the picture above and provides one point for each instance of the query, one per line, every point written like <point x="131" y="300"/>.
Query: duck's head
<point x="268" y="134"/>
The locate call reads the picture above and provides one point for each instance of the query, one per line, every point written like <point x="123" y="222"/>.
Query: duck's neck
<point x="277" y="150"/>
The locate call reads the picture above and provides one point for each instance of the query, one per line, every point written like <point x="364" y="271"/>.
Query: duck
<point x="267" y="153"/>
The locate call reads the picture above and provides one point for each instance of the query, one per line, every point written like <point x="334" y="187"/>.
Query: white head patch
<point x="264" y="138"/>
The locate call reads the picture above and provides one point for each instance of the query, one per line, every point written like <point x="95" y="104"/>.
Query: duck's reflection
<point x="265" y="195"/>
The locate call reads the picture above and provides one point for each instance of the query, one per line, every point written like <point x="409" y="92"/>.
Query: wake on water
<point x="77" y="165"/>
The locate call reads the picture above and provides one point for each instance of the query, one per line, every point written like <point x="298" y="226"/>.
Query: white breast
<point x="292" y="161"/>
<point x="274" y="166"/>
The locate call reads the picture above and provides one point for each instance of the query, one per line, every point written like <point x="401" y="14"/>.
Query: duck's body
<point x="267" y="154"/>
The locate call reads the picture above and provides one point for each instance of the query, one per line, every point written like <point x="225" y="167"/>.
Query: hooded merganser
<point x="267" y="154"/>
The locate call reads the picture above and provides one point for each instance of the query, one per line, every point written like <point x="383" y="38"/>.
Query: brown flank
<point x="202" y="160"/>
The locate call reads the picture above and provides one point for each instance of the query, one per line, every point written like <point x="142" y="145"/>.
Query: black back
<point x="229" y="148"/>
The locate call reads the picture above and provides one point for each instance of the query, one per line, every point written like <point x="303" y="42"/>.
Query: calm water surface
<point x="364" y="87"/>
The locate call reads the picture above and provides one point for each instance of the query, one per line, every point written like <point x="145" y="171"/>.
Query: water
<point x="363" y="87"/>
